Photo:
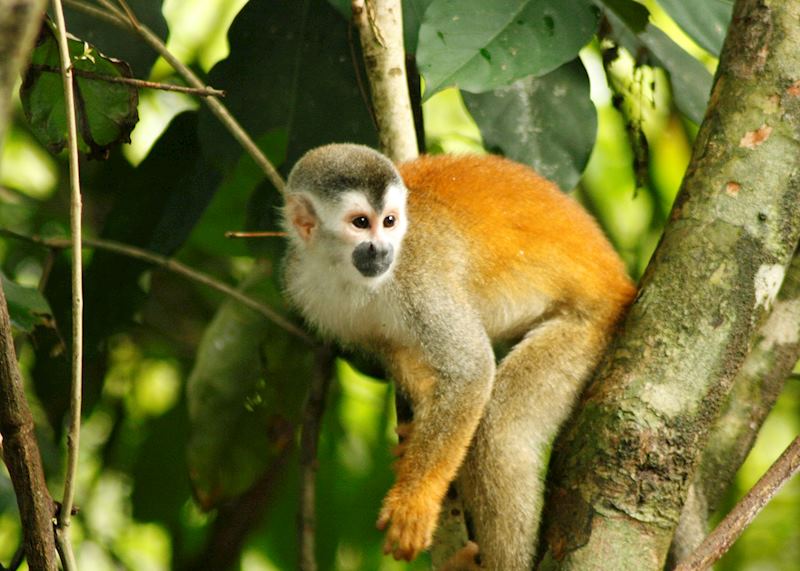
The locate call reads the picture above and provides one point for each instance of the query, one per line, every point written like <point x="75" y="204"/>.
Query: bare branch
<point x="76" y="389"/>
<point x="730" y="528"/>
<point x="201" y="92"/>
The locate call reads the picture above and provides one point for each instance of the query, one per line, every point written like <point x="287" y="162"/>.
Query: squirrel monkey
<point x="427" y="265"/>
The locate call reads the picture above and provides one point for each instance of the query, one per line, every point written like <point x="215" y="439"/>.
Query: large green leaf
<point x="479" y="45"/>
<point x="27" y="307"/>
<point x="290" y="68"/>
<point x="154" y="206"/>
<point x="244" y="394"/>
<point x="106" y="111"/>
<point x="706" y="21"/>
<point x="548" y="122"/>
<point x="691" y="81"/>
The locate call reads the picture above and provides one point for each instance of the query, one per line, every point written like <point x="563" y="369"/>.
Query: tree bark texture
<point x="776" y="349"/>
<point x="21" y="456"/>
<point x="19" y="23"/>
<point x="622" y="468"/>
<point x="380" y="25"/>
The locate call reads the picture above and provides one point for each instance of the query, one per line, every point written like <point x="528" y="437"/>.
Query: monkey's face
<point x="346" y="213"/>
<point x="356" y="235"/>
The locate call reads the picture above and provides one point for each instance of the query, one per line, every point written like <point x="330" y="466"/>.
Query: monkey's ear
<point x="300" y="212"/>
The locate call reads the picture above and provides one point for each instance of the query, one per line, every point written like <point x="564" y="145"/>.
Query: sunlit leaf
<point x="548" y="122"/>
<point x="691" y="81"/>
<point x="479" y="45"/>
<point x="106" y="111"/>
<point x="706" y="21"/>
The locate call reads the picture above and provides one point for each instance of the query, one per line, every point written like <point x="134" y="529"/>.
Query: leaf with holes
<point x="479" y="45"/>
<point x="106" y="111"/>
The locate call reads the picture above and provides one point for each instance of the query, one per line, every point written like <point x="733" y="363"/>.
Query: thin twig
<point x="259" y="234"/>
<point x="312" y="420"/>
<point x="200" y="92"/>
<point x="175" y="267"/>
<point x="113" y="15"/>
<point x="720" y="540"/>
<point x="74" y="431"/>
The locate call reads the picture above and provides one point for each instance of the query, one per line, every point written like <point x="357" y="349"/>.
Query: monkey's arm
<point x="448" y="377"/>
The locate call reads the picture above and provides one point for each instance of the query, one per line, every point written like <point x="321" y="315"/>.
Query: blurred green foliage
<point x="192" y="399"/>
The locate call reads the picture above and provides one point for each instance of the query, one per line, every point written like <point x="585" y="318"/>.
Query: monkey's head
<point x="346" y="208"/>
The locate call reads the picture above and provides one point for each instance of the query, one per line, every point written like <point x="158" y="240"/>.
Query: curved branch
<point x="178" y="268"/>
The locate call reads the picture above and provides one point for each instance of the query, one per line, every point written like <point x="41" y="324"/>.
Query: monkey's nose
<point x="372" y="259"/>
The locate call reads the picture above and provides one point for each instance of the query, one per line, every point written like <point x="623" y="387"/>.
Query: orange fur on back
<point x="522" y="230"/>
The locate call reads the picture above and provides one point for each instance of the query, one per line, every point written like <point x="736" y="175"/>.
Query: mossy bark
<point x="622" y="469"/>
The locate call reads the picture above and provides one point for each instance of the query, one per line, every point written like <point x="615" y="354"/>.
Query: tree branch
<point x="380" y="26"/>
<point x="76" y="390"/>
<point x="312" y="420"/>
<point x="178" y="268"/>
<point x="21" y="455"/>
<point x="200" y="92"/>
<point x="19" y="23"/>
<point x="621" y="470"/>
<point x="730" y="528"/>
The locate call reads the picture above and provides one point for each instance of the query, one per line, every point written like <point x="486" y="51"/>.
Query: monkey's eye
<point x="360" y="222"/>
<point x="389" y="221"/>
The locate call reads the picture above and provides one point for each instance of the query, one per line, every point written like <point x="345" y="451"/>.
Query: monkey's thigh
<point x="501" y="480"/>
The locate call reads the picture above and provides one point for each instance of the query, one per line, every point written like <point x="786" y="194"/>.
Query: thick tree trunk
<point x="623" y="467"/>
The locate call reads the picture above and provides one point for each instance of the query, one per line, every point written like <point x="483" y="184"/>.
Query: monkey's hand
<point x="463" y="559"/>
<point x="409" y="516"/>
<point x="403" y="431"/>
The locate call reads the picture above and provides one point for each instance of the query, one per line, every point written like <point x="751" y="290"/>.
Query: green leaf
<point x="548" y="122"/>
<point x="691" y="81"/>
<point x="635" y="15"/>
<point x="413" y="13"/>
<point x="300" y="79"/>
<point x="245" y="393"/>
<point x="27" y="307"/>
<point x="479" y="45"/>
<point x="120" y="43"/>
<point x="106" y="111"/>
<point x="706" y="21"/>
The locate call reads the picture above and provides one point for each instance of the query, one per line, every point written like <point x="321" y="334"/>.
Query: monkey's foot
<point x="409" y="520"/>
<point x="403" y="431"/>
<point x="463" y="559"/>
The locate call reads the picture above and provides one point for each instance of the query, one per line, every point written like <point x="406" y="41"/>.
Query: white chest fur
<point x="351" y="312"/>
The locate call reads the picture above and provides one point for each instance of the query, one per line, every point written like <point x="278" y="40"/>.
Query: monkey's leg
<point x="502" y="479"/>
